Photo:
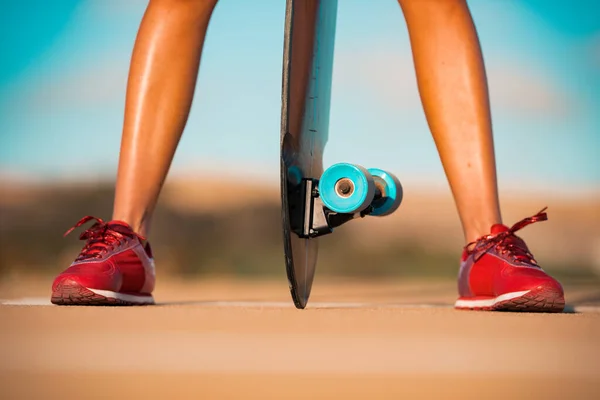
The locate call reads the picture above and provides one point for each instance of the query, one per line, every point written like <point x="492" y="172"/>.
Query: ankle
<point x="140" y="225"/>
<point x="477" y="230"/>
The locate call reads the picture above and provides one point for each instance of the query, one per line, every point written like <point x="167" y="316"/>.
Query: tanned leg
<point x="162" y="79"/>
<point x="453" y="88"/>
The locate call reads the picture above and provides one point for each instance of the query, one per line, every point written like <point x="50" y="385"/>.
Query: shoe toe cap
<point x="521" y="279"/>
<point x="102" y="277"/>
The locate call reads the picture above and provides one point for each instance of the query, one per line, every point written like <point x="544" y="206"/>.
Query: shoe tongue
<point x="120" y="223"/>
<point x="499" y="228"/>
<point x="124" y="228"/>
<point x="117" y="222"/>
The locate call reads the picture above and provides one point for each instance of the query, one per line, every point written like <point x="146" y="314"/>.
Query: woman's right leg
<point x="162" y="79"/>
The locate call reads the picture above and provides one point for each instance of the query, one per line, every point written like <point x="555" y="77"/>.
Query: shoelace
<point x="507" y="242"/>
<point x="100" y="237"/>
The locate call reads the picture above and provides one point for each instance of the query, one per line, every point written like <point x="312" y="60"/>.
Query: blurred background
<point x="62" y="88"/>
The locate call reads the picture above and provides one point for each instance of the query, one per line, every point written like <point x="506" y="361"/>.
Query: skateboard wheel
<point x="346" y="188"/>
<point x="391" y="192"/>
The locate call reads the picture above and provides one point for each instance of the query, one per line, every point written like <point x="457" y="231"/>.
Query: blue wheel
<point x="391" y="192"/>
<point x="346" y="188"/>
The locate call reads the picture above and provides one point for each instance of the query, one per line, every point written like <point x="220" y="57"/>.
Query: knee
<point x="200" y="5"/>
<point x="431" y="6"/>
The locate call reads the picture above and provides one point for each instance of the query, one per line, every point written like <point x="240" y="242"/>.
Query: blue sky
<point x="65" y="64"/>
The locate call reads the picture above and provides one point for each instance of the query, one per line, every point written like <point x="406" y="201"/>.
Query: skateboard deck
<point x="306" y="91"/>
<point x="314" y="201"/>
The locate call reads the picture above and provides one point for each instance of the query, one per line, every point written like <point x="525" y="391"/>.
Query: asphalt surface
<point x="222" y="338"/>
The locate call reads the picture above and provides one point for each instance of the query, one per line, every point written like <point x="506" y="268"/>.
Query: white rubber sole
<point x="480" y="303"/>
<point x="128" y="298"/>
<point x="71" y="293"/>
<point x="540" y="299"/>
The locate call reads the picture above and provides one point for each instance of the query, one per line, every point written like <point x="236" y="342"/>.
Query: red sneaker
<point x="113" y="268"/>
<point x="500" y="273"/>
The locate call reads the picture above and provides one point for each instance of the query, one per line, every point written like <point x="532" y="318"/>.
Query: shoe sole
<point x="540" y="299"/>
<point x="71" y="293"/>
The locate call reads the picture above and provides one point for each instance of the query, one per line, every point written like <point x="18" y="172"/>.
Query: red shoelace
<point x="101" y="237"/>
<point x="507" y="243"/>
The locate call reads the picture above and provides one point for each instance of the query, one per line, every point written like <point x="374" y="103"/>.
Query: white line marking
<point x="45" y="301"/>
<point x="27" y="301"/>
<point x="313" y="305"/>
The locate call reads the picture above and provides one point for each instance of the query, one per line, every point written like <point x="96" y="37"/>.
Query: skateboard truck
<point x="315" y="218"/>
<point x="344" y="192"/>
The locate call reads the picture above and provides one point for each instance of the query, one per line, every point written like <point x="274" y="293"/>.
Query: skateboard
<point x="314" y="201"/>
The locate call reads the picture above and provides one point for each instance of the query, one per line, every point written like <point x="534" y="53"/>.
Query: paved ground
<point x="217" y="339"/>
